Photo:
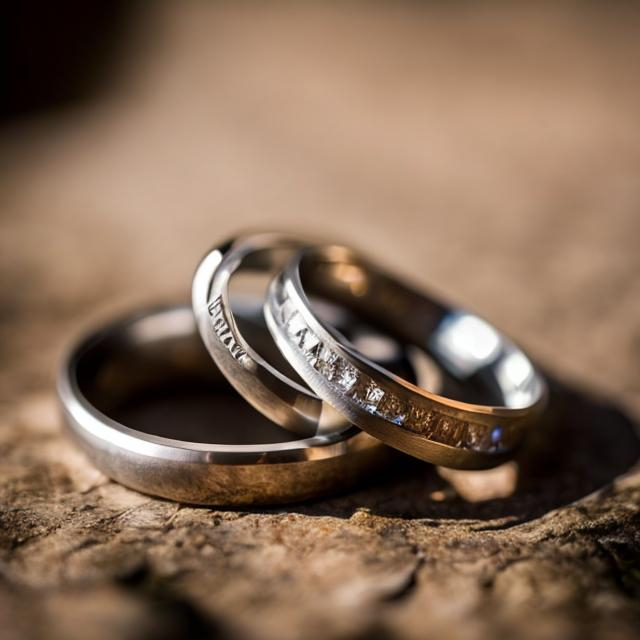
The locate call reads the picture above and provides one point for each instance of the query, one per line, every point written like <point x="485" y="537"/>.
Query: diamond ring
<point x="491" y="389"/>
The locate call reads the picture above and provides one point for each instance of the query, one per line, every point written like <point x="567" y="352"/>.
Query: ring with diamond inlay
<point x="142" y="398"/>
<point x="268" y="386"/>
<point x="491" y="391"/>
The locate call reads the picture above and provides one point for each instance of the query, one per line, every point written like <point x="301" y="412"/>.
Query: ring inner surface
<point x="168" y="386"/>
<point x="478" y="364"/>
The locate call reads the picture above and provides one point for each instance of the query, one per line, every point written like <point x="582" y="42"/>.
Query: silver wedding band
<point x="505" y="390"/>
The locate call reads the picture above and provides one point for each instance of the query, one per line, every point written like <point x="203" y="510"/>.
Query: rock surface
<point x="491" y="153"/>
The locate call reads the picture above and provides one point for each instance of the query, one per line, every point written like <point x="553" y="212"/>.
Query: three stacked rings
<point x="324" y="402"/>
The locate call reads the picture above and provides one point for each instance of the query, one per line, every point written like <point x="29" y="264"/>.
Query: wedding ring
<point x="491" y="390"/>
<point x="286" y="402"/>
<point x="145" y="402"/>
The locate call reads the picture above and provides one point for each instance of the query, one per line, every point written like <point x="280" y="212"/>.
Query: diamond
<point x="474" y="436"/>
<point x="286" y="310"/>
<point x="392" y="408"/>
<point x="441" y="429"/>
<point x="331" y="370"/>
<point x="496" y="436"/>
<point x="327" y="356"/>
<point x="456" y="436"/>
<point x="348" y="376"/>
<point x="313" y="354"/>
<point x="417" y="418"/>
<point x="295" y="325"/>
<point x="359" y="390"/>
<point x="309" y="341"/>
<point x="300" y="336"/>
<point x="327" y="363"/>
<point x="372" y="396"/>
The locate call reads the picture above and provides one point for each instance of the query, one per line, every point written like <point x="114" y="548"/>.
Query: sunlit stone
<point x="286" y="310"/>
<point x="372" y="396"/>
<point x="496" y="436"/>
<point x="417" y="418"/>
<point x="310" y="341"/>
<point x="393" y="409"/>
<point x="295" y="325"/>
<point x="348" y="376"/>
<point x="313" y="354"/>
<point x="474" y="436"/>
<point x="328" y="363"/>
<point x="326" y="355"/>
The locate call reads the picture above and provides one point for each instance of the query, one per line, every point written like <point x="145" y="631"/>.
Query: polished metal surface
<point x="491" y="390"/>
<point x="147" y="405"/>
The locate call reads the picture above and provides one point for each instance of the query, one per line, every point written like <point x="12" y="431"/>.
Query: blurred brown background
<point x="488" y="151"/>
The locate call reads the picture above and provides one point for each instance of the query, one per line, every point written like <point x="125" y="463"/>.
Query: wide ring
<point x="130" y="359"/>
<point x="499" y="390"/>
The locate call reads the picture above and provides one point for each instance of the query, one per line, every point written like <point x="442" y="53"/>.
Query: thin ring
<point x="281" y="399"/>
<point x="478" y="360"/>
<point x="129" y="357"/>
